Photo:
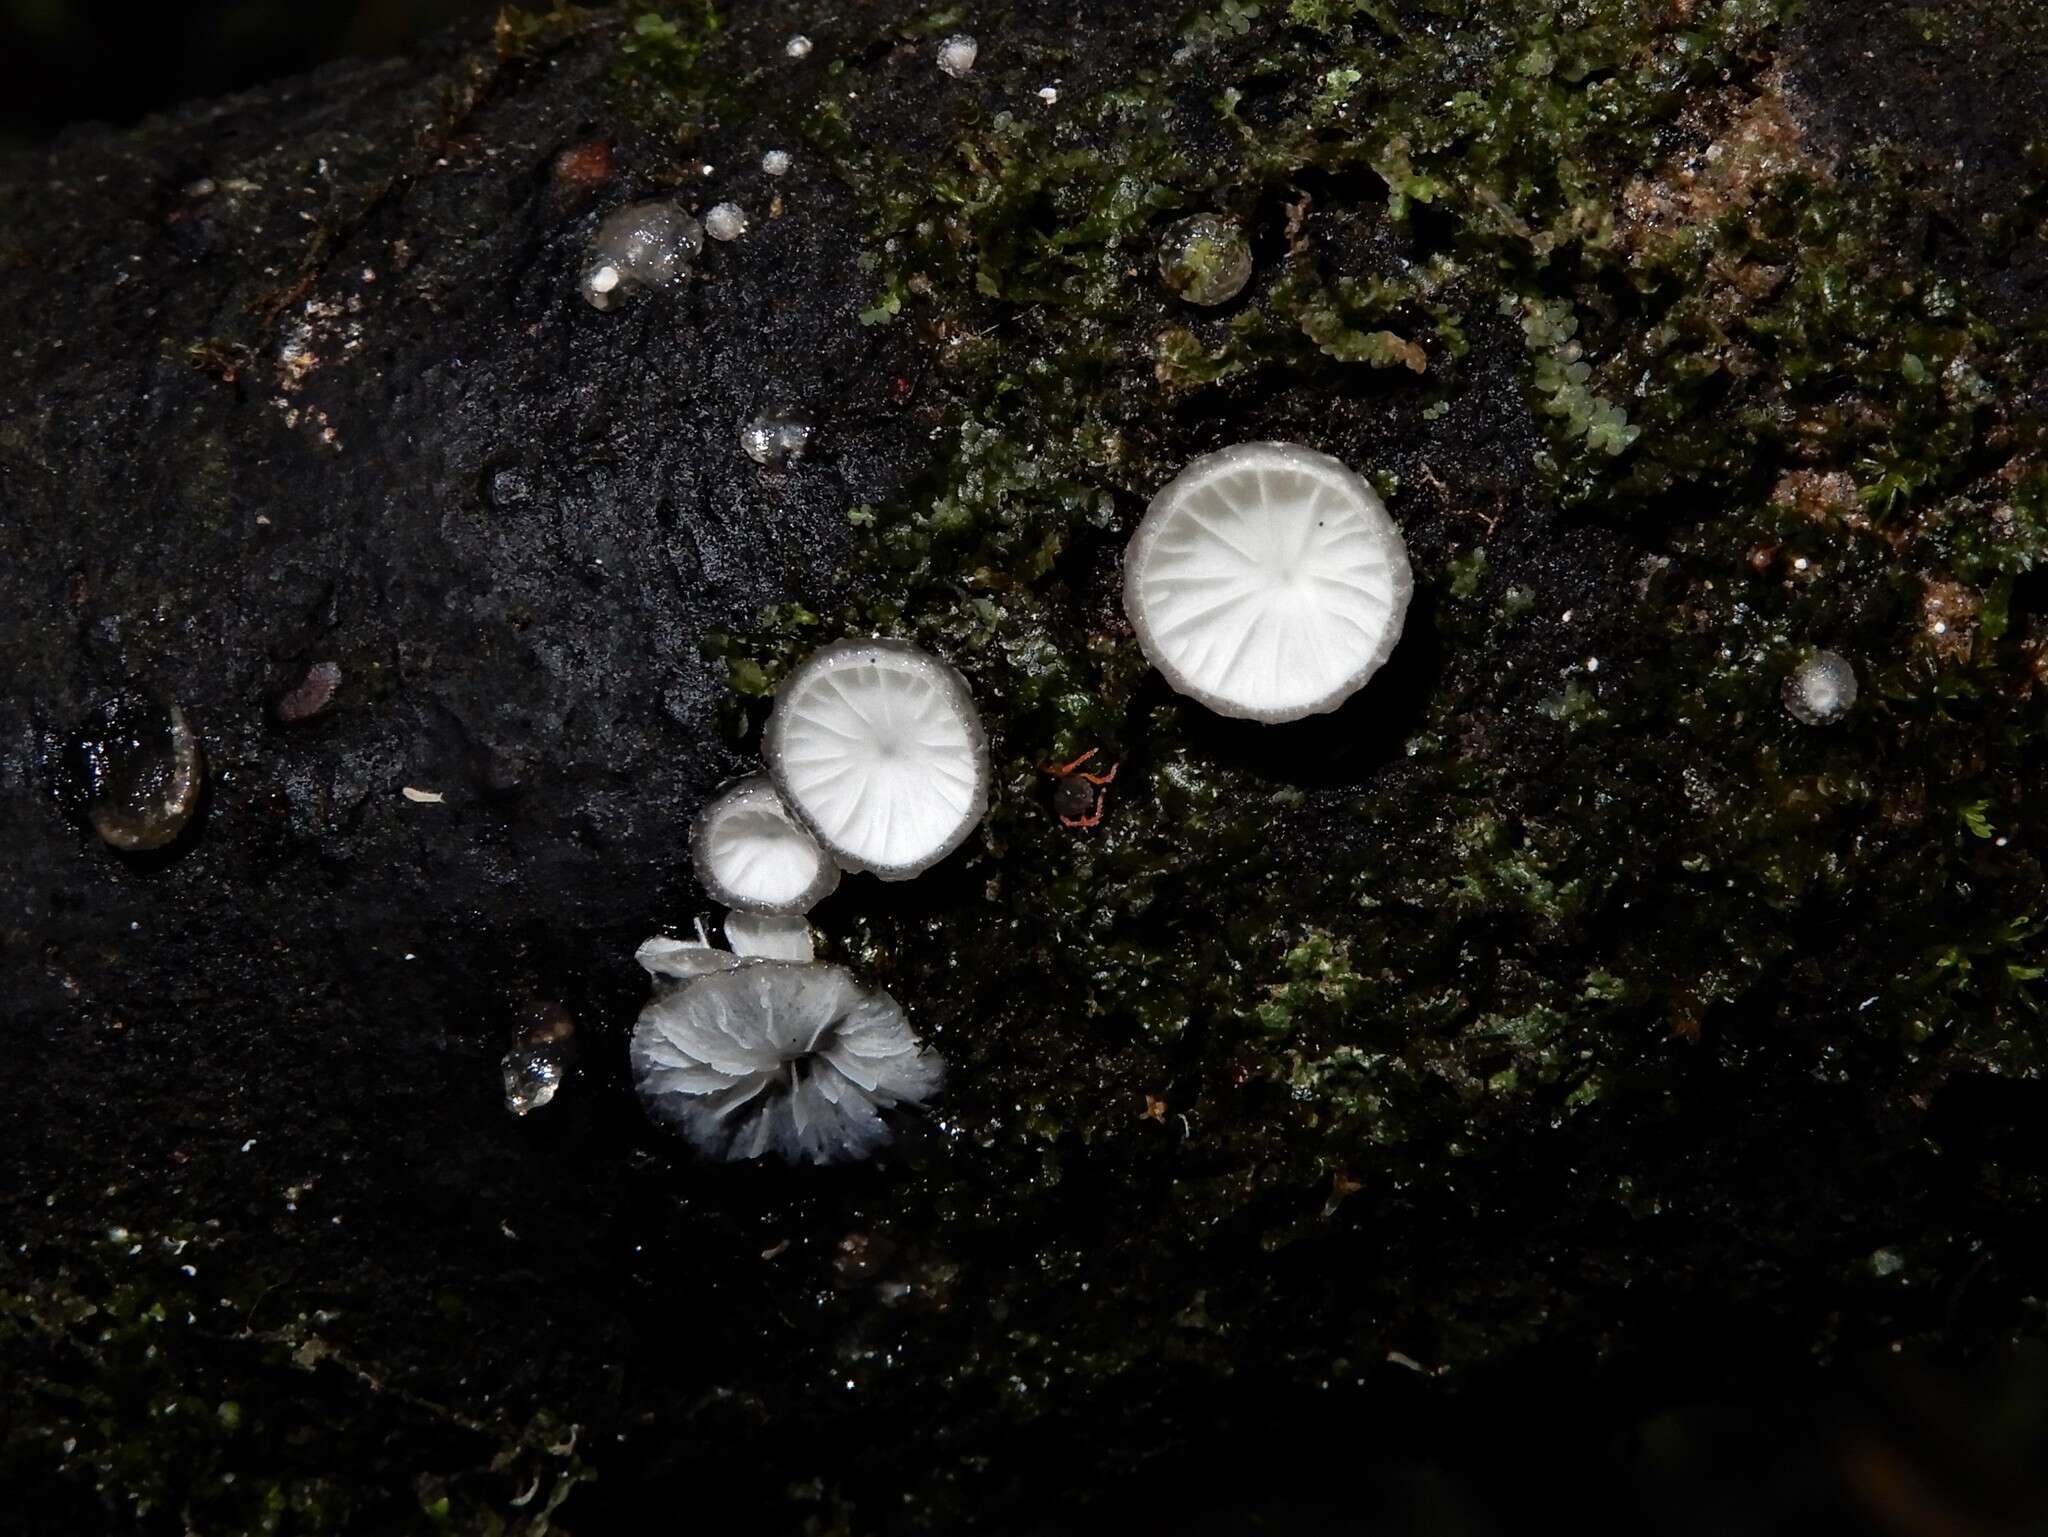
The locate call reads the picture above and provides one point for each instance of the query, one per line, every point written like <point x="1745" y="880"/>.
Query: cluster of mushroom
<point x="876" y="762"/>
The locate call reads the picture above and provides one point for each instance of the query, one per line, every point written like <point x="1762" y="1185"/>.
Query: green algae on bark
<point x="1626" y="184"/>
<point x="1581" y="843"/>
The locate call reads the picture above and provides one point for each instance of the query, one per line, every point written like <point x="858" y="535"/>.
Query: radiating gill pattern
<point x="1274" y="587"/>
<point x="881" y="762"/>
<point x="753" y="855"/>
<point x="798" y="1060"/>
<point x="760" y="852"/>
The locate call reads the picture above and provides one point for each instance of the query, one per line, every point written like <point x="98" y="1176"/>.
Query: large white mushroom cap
<point x="752" y="854"/>
<point x="1267" y="581"/>
<point x="878" y="748"/>
<point x="799" y="1060"/>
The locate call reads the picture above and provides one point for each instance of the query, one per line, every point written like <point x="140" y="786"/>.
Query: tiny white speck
<point x="1799" y="564"/>
<point x="410" y="956"/>
<point x="423" y="797"/>
<point x="1941" y="627"/>
<point x="709" y="169"/>
<point x="249" y="1144"/>
<point x="1048" y="95"/>
<point x="1592" y="664"/>
<point x="798" y="47"/>
<point x="604" y="280"/>
<point x="1567" y="616"/>
<point x="776" y="162"/>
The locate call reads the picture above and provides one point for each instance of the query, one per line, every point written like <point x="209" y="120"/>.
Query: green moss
<point x="166" y="1386"/>
<point x="666" y="75"/>
<point x="1592" y="840"/>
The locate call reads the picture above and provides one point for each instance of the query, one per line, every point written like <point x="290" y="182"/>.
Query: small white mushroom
<point x="756" y="936"/>
<point x="142" y="771"/>
<point x="683" y="960"/>
<point x="641" y="246"/>
<point x="1267" y="581"/>
<point x="725" y="221"/>
<point x="957" y="54"/>
<point x="1821" y="690"/>
<point x="752" y="854"/>
<point x="878" y="748"/>
<point x="798" y="1060"/>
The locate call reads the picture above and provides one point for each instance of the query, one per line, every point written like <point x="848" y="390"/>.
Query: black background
<point x="73" y="61"/>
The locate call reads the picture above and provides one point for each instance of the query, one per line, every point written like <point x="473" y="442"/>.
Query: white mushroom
<point x="757" y="936"/>
<point x="1821" y="690"/>
<point x="752" y="854"/>
<point x="878" y="748"/>
<point x="798" y="1060"/>
<point x="1267" y="581"/>
<point x="957" y="55"/>
<point x="683" y="960"/>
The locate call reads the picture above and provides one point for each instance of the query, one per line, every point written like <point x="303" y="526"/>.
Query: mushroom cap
<point x="756" y="936"/>
<point x="1267" y="581"/>
<point x="1822" y="689"/>
<point x="752" y="854"/>
<point x="793" y="1059"/>
<point x="878" y="748"/>
<point x="682" y="960"/>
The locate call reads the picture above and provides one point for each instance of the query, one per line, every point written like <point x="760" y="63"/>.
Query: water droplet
<point x="641" y="246"/>
<point x="543" y="1037"/>
<point x="777" y="439"/>
<point x="137" y="772"/>
<point x="1206" y="259"/>
<point x="532" y="1075"/>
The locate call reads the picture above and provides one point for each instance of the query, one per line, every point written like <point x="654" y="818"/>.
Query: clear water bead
<point x="532" y="1075"/>
<point x="777" y="439"/>
<point x="1206" y="259"/>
